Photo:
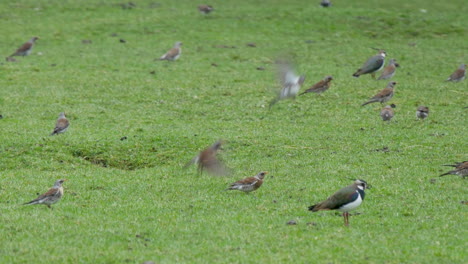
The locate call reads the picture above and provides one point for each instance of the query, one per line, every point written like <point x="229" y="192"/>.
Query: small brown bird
<point x="384" y="95"/>
<point x="205" y="9"/>
<point x="344" y="200"/>
<point x="50" y="197"/>
<point x="61" y="125"/>
<point x="422" y="112"/>
<point x="320" y="87"/>
<point x="25" y="49"/>
<point x="372" y="65"/>
<point x="387" y="112"/>
<point x="461" y="169"/>
<point x="389" y="71"/>
<point x="174" y="53"/>
<point x="249" y="184"/>
<point x="208" y="161"/>
<point x="459" y="74"/>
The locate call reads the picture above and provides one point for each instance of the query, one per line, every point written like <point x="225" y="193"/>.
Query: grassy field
<point x="130" y="200"/>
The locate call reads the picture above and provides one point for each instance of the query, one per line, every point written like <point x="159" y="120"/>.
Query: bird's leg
<point x="346" y="218"/>
<point x="373" y="75"/>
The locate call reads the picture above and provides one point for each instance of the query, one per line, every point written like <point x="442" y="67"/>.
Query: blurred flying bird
<point x="207" y="160"/>
<point x="290" y="82"/>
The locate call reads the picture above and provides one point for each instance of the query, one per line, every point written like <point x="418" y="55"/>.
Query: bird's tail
<point x="368" y="102"/>
<point x="312" y="208"/>
<point x="356" y="74"/>
<point x="31" y="202"/>
<point x="448" y="173"/>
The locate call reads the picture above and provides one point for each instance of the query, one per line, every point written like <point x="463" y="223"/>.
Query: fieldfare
<point x="25" y="49"/>
<point x="372" y="65"/>
<point x="61" y="125"/>
<point x="387" y="112"/>
<point x="174" y="53"/>
<point x="422" y="112"/>
<point x="389" y="71"/>
<point x="205" y="9"/>
<point x="249" y="184"/>
<point x="207" y="160"/>
<point x="384" y="95"/>
<point x="459" y="74"/>
<point x="320" y="87"/>
<point x="52" y="196"/>
<point x="461" y="169"/>
<point x="344" y="200"/>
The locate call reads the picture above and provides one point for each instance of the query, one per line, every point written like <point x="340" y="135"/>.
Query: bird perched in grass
<point x="207" y="160"/>
<point x="205" y="9"/>
<point x="249" y="184"/>
<point x="459" y="74"/>
<point x="174" y="53"/>
<point x="61" y="125"/>
<point x="461" y="169"/>
<point x="422" y="112"/>
<point x="320" y="87"/>
<point x="26" y="48"/>
<point x="290" y="82"/>
<point x="344" y="200"/>
<point x="384" y="95"/>
<point x="389" y="71"/>
<point x="372" y="65"/>
<point x="325" y="3"/>
<point x="387" y="112"/>
<point x="52" y="196"/>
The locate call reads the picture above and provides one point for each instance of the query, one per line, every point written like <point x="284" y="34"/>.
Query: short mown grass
<point x="135" y="122"/>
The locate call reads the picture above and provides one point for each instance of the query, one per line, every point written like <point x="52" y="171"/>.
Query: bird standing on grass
<point x="26" y="48"/>
<point x="461" y="169"/>
<point x="372" y="65"/>
<point x="384" y="95"/>
<point x="289" y="81"/>
<point x="387" y="112"/>
<point x="389" y="71"/>
<point x="459" y="74"/>
<point x="422" y="112"/>
<point x="344" y="200"/>
<point x="207" y="160"/>
<point x="174" y="53"/>
<point x="61" y="125"/>
<point x="249" y="184"/>
<point x="320" y="87"/>
<point x="52" y="196"/>
<point x="205" y="9"/>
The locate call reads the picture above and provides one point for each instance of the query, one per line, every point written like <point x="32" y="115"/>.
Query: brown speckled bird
<point x="384" y="95"/>
<point x="320" y="87"/>
<point x="387" y="112"/>
<point x="422" y="112"/>
<point x="26" y="48"/>
<point x="174" y="53"/>
<point x="61" y="125"/>
<point x="205" y="9"/>
<point x="344" y="200"/>
<point x="50" y="197"/>
<point x="372" y="65"/>
<point x="459" y="74"/>
<point x="389" y="71"/>
<point x="249" y="184"/>
<point x="461" y="169"/>
<point x="207" y="160"/>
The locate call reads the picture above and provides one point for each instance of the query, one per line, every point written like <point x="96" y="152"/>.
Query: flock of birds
<point x="345" y="199"/>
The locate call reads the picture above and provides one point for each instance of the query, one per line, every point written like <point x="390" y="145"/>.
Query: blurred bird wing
<point x="192" y="161"/>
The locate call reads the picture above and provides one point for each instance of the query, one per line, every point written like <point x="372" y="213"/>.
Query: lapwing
<point x="372" y="65"/>
<point x="50" y="197"/>
<point x="344" y="200"/>
<point x="461" y="169"/>
<point x="320" y="87"/>
<point x="459" y="74"/>
<point x="384" y="95"/>
<point x="249" y="184"/>
<point x="422" y="112"/>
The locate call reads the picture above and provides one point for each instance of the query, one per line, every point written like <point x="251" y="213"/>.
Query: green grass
<point x="131" y="201"/>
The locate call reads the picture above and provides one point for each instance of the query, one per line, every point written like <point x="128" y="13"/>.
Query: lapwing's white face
<point x="361" y="184"/>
